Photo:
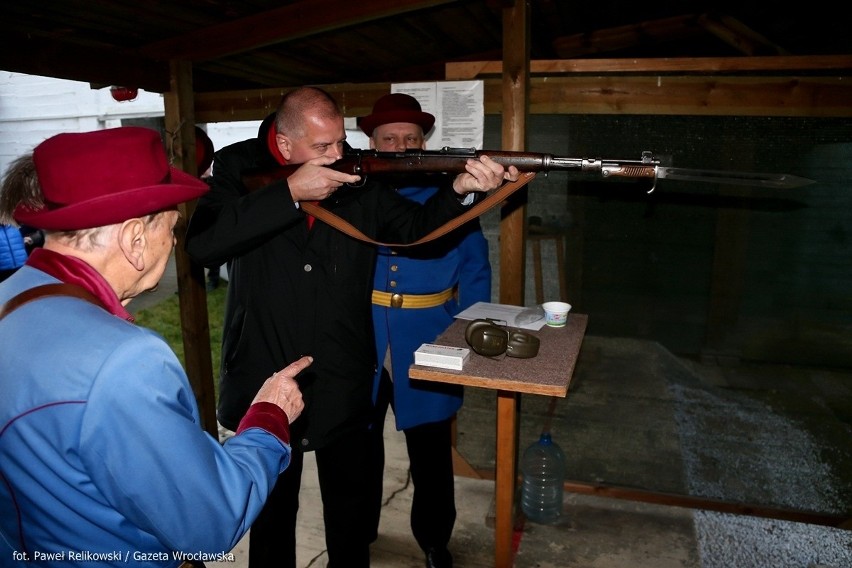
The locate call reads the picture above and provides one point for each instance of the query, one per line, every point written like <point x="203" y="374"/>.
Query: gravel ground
<point x="756" y="451"/>
<point x="734" y="541"/>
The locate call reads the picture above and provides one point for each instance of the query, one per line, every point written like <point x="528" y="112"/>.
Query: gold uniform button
<point x="394" y="268"/>
<point x="396" y="300"/>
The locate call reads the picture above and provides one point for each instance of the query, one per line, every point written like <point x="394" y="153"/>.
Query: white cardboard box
<point x="431" y="355"/>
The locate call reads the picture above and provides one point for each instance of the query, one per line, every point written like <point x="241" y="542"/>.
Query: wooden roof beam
<point x="727" y="29"/>
<point x="296" y="20"/>
<point x="52" y="58"/>
<point x="738" y="35"/>
<point x="623" y="37"/>
<point x="774" y="64"/>
<point x="678" y="95"/>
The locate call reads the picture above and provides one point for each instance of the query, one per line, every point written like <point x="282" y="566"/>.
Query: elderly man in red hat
<point x="416" y="294"/>
<point x="300" y="287"/>
<point x="102" y="454"/>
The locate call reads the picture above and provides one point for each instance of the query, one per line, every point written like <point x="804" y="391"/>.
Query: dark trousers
<point x="433" y="509"/>
<point x="342" y="478"/>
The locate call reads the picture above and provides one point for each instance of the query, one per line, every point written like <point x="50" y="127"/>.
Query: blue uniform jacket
<point x="101" y="449"/>
<point x="459" y="258"/>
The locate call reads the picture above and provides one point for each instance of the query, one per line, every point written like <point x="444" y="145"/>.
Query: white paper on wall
<point x="459" y="109"/>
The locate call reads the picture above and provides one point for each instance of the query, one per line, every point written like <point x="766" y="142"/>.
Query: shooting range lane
<point x="639" y="418"/>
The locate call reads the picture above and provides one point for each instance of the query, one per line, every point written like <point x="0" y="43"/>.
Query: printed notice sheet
<point x="459" y="109"/>
<point x="513" y="316"/>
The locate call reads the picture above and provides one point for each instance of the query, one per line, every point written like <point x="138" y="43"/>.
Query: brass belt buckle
<point x="396" y="300"/>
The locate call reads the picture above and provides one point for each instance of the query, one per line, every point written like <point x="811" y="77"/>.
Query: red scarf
<point x="272" y="144"/>
<point x="72" y="270"/>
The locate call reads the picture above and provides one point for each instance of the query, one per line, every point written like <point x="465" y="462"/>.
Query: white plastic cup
<point x="556" y="313"/>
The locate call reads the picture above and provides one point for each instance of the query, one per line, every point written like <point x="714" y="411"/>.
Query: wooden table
<point x="549" y="374"/>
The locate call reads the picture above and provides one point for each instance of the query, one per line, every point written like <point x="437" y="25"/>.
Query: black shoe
<point x="439" y="558"/>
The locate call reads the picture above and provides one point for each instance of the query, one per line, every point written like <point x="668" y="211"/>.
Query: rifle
<point x="452" y="161"/>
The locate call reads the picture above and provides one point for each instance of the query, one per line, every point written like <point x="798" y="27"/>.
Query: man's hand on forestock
<point x="282" y="390"/>
<point x="483" y="175"/>
<point x="314" y="182"/>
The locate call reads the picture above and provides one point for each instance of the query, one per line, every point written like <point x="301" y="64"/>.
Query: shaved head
<point x="303" y="102"/>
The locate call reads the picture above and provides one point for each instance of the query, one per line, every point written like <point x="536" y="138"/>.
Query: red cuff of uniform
<point x="269" y="417"/>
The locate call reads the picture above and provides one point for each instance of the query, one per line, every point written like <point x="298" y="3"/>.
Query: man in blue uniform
<point x="416" y="293"/>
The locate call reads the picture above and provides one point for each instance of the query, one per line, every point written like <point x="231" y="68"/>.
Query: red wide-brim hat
<point x="396" y="107"/>
<point x="98" y="178"/>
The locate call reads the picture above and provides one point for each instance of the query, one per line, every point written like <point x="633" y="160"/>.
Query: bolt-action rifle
<point x="452" y="161"/>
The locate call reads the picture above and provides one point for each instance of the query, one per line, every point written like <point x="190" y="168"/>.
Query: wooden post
<point x="516" y="61"/>
<point x="180" y="144"/>
<point x="516" y="78"/>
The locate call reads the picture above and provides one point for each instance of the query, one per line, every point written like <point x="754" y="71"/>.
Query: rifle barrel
<point x="453" y="160"/>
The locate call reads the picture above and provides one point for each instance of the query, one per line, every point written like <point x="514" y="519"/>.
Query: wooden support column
<point x="516" y="77"/>
<point x="180" y="144"/>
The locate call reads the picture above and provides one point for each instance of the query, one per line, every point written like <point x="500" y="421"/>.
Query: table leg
<point x="506" y="476"/>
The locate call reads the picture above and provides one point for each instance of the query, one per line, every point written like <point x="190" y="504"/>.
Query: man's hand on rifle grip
<point x="312" y="181"/>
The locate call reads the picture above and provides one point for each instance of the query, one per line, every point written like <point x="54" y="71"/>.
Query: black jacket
<point x="292" y="293"/>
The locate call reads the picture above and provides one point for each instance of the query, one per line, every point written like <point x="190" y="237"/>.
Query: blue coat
<point x="102" y="451"/>
<point x="459" y="258"/>
<point x="13" y="253"/>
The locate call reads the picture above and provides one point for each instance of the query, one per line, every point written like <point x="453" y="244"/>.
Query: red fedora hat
<point x="396" y="107"/>
<point x="91" y="179"/>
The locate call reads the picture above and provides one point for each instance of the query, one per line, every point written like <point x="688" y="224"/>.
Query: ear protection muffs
<point x="489" y="339"/>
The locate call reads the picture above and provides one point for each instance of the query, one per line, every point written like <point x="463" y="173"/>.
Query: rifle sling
<point x="497" y="196"/>
<point x="60" y="289"/>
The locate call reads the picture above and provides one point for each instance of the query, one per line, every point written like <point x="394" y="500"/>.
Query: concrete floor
<point x="639" y="418"/>
<point x="595" y="532"/>
<point x="599" y="532"/>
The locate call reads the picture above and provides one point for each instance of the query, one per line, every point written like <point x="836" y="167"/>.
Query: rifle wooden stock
<point x="453" y="160"/>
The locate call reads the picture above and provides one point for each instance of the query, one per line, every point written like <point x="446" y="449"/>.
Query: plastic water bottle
<point x="543" y="469"/>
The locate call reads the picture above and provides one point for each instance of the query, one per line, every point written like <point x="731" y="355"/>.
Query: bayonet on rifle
<point x="452" y="161"/>
<point x="643" y="169"/>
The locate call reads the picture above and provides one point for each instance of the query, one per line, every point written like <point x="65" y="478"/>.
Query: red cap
<point x="396" y="107"/>
<point x="92" y="179"/>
